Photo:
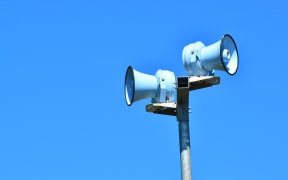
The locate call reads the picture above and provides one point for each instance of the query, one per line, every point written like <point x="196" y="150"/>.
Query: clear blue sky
<point x="62" y="108"/>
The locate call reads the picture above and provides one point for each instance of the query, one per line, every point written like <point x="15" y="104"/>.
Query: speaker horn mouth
<point x="229" y="54"/>
<point x="129" y="86"/>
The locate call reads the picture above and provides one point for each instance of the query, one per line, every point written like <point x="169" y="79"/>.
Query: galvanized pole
<point x="183" y="124"/>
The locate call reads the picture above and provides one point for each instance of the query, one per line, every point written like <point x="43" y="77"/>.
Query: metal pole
<point x="183" y="124"/>
<point x="184" y="85"/>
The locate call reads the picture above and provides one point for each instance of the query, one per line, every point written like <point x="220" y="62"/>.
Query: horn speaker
<point x="138" y="86"/>
<point x="199" y="60"/>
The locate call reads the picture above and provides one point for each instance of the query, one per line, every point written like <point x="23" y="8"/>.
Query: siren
<point x="199" y="60"/>
<point x="138" y="86"/>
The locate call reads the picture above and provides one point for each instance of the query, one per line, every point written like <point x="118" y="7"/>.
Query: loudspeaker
<point x="199" y="60"/>
<point x="138" y="86"/>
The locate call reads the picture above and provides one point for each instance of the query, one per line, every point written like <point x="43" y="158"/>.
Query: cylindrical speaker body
<point x="190" y="58"/>
<point x="166" y="86"/>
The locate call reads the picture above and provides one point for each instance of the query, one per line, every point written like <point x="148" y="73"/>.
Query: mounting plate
<point x="195" y="82"/>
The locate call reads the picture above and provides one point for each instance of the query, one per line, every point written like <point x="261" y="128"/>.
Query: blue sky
<point x="63" y="113"/>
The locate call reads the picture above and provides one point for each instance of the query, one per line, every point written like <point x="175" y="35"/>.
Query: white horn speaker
<point x="138" y="86"/>
<point x="199" y="60"/>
